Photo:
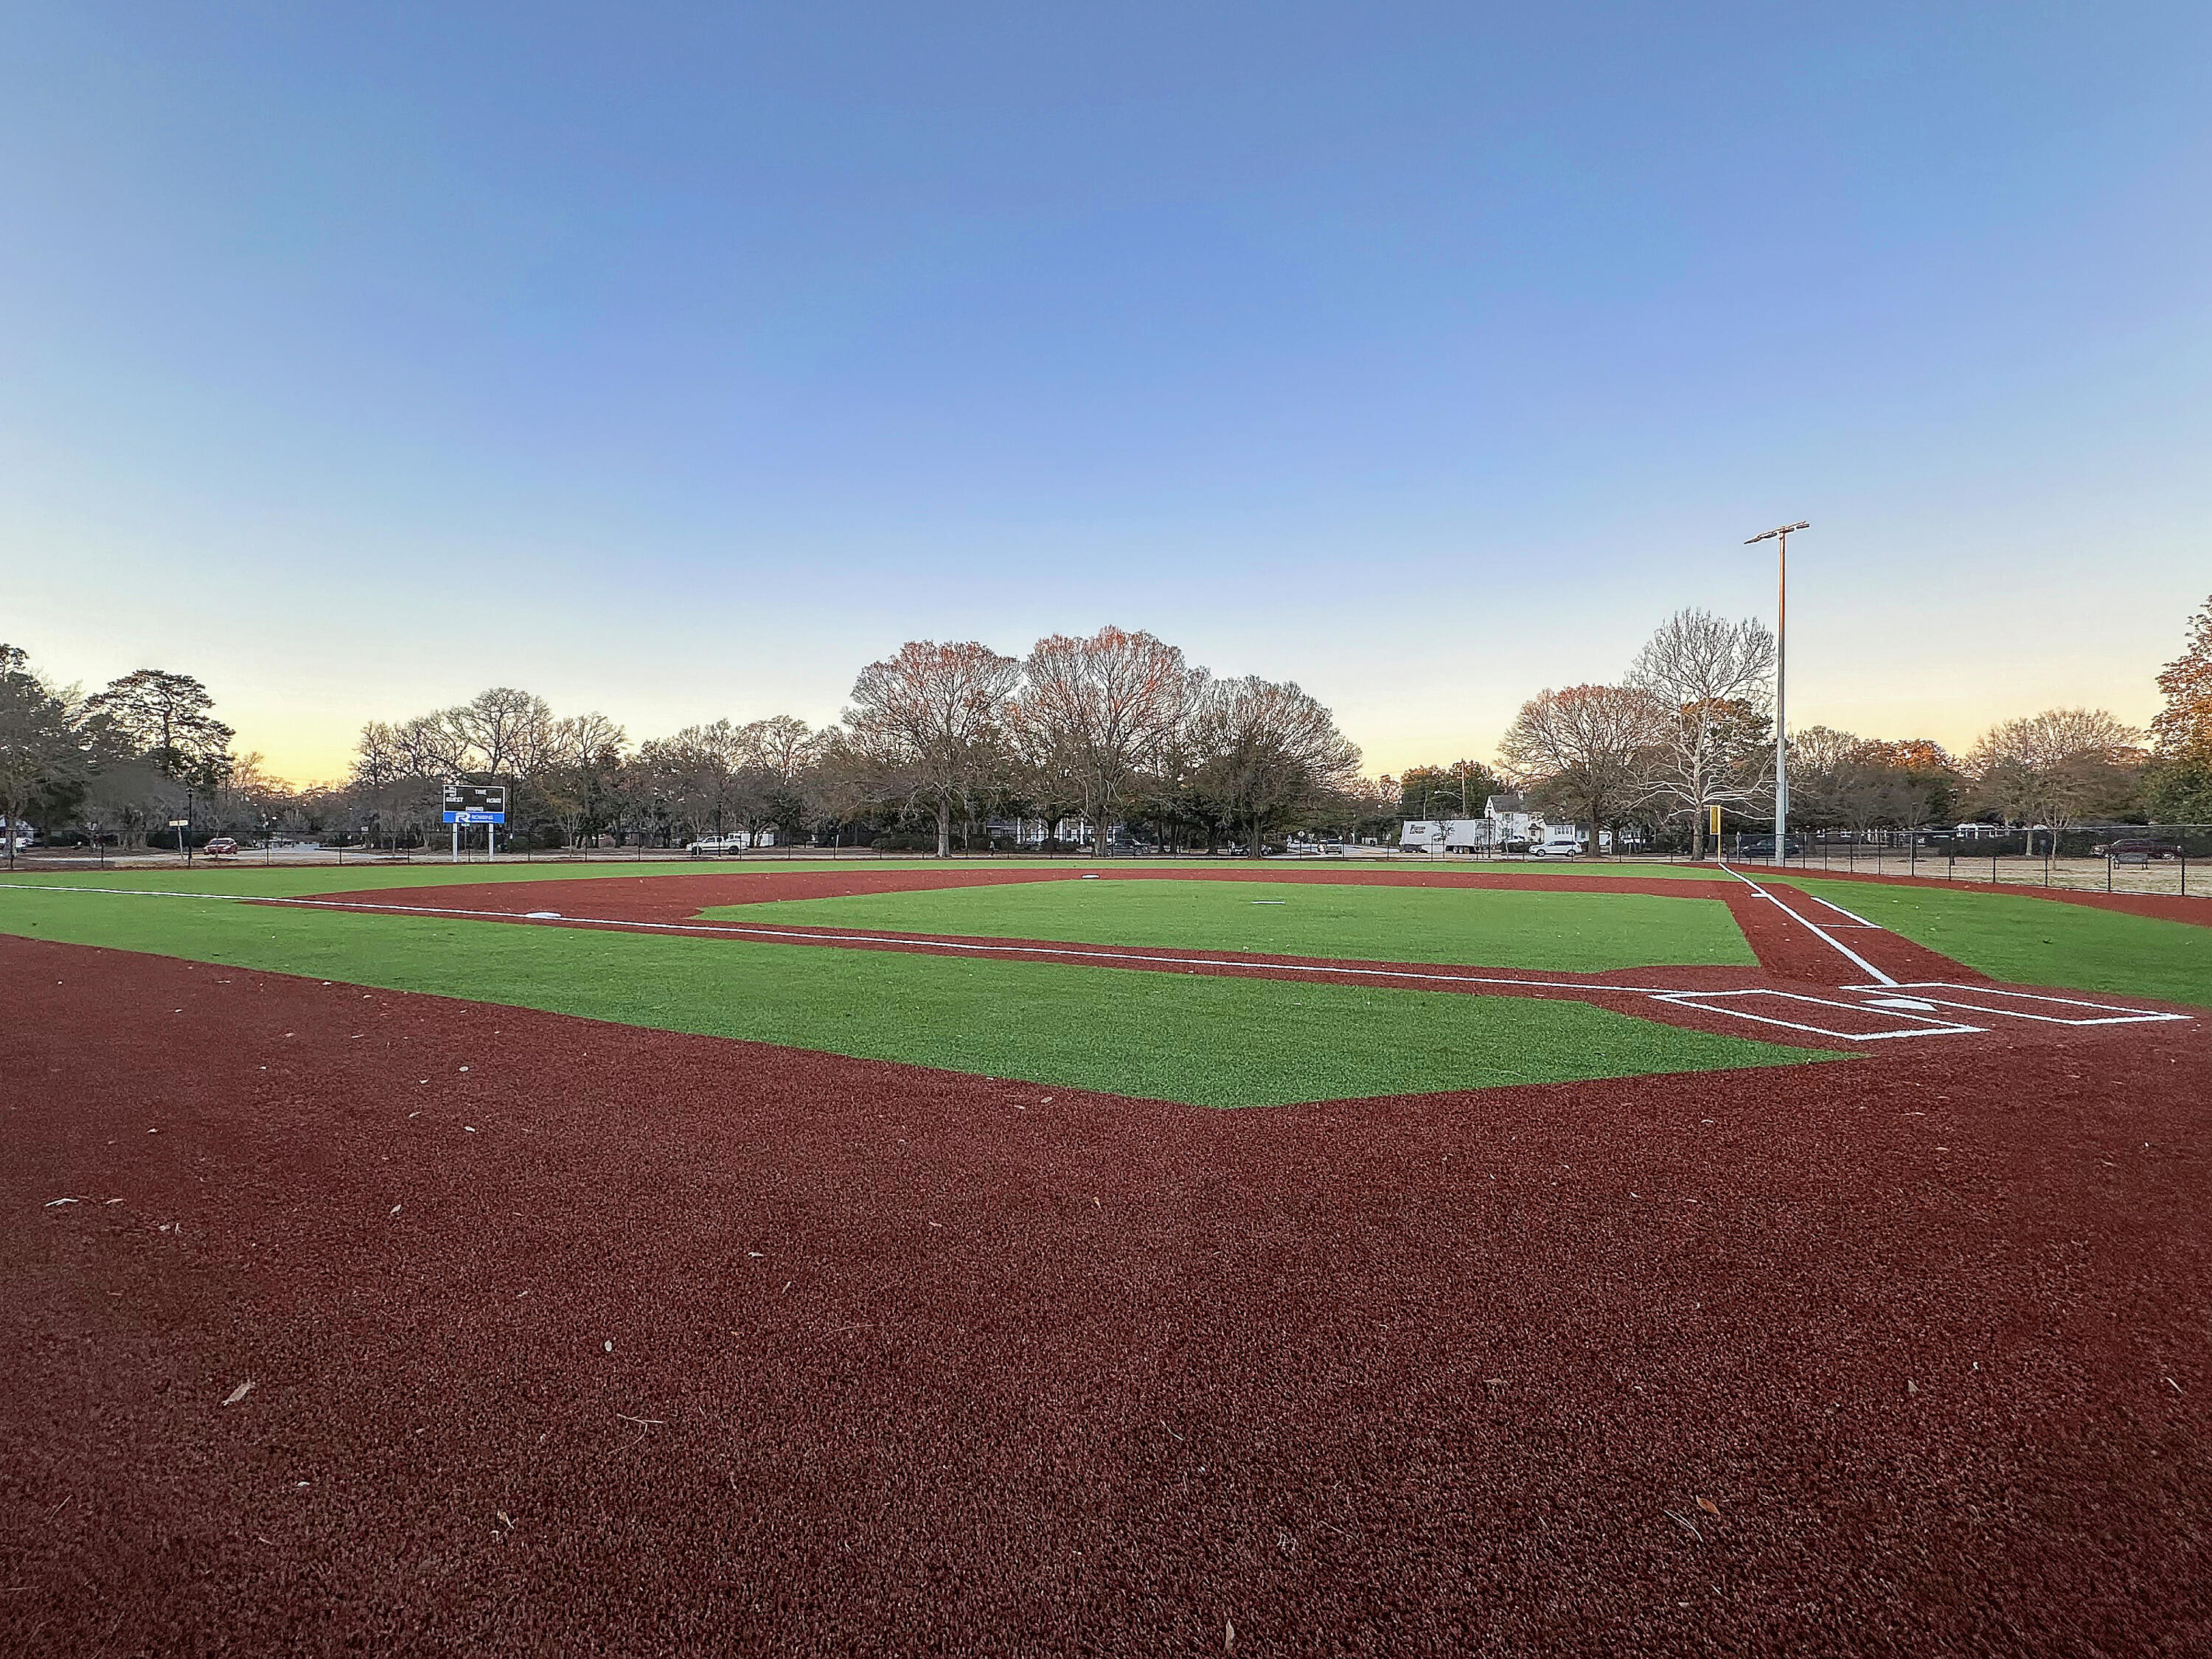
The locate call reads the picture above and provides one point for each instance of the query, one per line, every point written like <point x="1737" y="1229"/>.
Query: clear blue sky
<point x="678" y="360"/>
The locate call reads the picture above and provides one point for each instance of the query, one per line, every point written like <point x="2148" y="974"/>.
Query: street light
<point x="1780" y="537"/>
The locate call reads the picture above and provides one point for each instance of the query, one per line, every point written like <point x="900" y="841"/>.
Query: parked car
<point x="221" y="846"/>
<point x="1560" y="841"/>
<point x="2138" y="847"/>
<point x="1762" y="846"/>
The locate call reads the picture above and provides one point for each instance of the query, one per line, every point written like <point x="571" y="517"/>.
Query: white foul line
<point x="1823" y="932"/>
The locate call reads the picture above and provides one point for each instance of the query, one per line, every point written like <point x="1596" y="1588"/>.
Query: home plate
<point x="1913" y="1003"/>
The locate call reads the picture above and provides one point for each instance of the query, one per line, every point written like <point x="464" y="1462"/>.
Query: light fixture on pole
<point x="1780" y="537"/>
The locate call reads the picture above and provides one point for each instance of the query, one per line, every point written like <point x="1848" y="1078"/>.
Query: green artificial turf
<point x="2023" y="941"/>
<point x="1555" y="931"/>
<point x="1205" y="1041"/>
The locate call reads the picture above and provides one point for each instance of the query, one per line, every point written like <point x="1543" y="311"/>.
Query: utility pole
<point x="1780" y="537"/>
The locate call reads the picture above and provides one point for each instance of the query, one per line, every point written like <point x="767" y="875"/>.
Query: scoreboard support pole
<point x="473" y="804"/>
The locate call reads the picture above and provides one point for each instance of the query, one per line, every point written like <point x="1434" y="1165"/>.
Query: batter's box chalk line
<point x="1886" y="1019"/>
<point x="1983" y="999"/>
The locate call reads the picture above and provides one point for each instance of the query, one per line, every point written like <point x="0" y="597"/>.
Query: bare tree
<point x="577" y="739"/>
<point x="1719" y="676"/>
<point x="1587" y="748"/>
<point x="578" y="780"/>
<point x="843" y="782"/>
<point x="396" y="771"/>
<point x="432" y="748"/>
<point x="1840" y="778"/>
<point x="1100" y="710"/>
<point x="380" y="757"/>
<point x="1264" y="752"/>
<point x="781" y="744"/>
<point x="2057" y="766"/>
<point x="504" y="732"/>
<point x="937" y="712"/>
<point x="695" y="774"/>
<point x="252" y="795"/>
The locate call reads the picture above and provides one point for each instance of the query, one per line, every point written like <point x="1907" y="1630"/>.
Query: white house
<point x="1034" y="832"/>
<point x="1509" y="818"/>
<point x="1505" y="819"/>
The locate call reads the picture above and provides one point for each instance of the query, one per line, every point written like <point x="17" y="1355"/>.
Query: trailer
<point x="1446" y="835"/>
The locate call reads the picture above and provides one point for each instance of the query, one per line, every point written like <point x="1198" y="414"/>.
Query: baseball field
<point x="1053" y="1257"/>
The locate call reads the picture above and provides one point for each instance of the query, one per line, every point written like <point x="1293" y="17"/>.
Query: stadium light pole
<point x="1780" y="537"/>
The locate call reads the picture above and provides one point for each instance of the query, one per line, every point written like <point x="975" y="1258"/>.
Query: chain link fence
<point x="2164" y="858"/>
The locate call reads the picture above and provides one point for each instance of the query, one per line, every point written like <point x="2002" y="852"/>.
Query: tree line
<point x="1116" y="737"/>
<point x="128" y="758"/>
<point x="1691" y="726"/>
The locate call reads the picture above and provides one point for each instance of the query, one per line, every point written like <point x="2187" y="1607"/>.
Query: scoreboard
<point x="475" y="803"/>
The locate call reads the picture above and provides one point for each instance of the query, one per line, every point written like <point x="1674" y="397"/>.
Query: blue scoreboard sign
<point x="475" y="803"/>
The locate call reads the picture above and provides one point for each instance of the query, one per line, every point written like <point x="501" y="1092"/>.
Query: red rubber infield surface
<point x="625" y="1341"/>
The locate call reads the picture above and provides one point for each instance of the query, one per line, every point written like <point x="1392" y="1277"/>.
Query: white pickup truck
<point x="714" y="846"/>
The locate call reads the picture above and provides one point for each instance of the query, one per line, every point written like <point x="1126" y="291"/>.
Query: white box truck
<point x="1445" y="834"/>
